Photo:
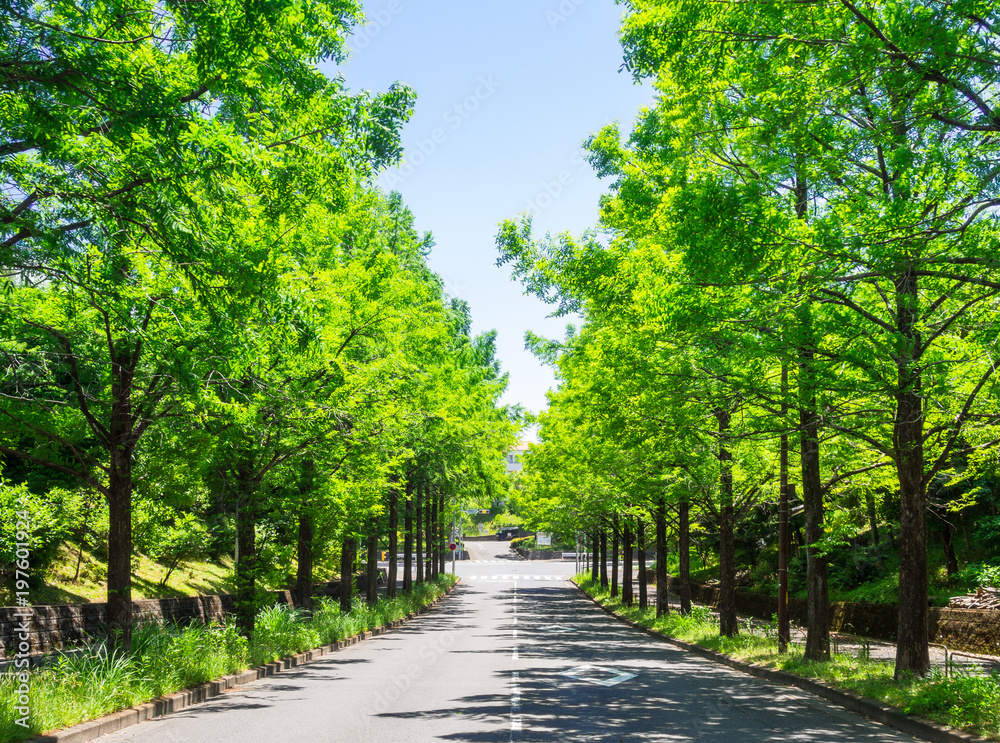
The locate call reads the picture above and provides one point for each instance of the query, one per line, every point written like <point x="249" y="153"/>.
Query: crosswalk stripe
<point x="502" y="578"/>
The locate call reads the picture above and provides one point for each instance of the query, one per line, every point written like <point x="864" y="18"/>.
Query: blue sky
<point x="507" y="91"/>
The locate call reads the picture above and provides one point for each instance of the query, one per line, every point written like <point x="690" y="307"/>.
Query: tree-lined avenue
<point x="449" y="675"/>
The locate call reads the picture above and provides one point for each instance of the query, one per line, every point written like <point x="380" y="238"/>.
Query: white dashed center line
<point x="515" y="704"/>
<point x="515" y="682"/>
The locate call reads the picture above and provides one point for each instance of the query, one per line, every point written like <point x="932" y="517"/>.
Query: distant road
<point x="514" y="654"/>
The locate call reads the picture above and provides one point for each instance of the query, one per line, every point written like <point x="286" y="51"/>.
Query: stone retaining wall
<point x="54" y="627"/>
<point x="969" y="630"/>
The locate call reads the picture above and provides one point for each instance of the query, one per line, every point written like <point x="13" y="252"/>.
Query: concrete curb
<point x="918" y="727"/>
<point x="88" y="731"/>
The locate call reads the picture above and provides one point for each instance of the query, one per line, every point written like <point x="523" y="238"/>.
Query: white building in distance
<point x="513" y="458"/>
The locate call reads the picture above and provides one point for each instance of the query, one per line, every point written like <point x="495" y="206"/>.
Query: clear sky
<point x="507" y="90"/>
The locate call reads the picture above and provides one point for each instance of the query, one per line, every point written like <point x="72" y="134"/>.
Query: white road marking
<point x="505" y="578"/>
<point x="516" y="723"/>
<point x="513" y="655"/>
<point x="598" y="675"/>
<point x="558" y="628"/>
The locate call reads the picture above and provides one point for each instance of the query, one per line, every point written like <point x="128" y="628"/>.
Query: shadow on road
<point x="641" y="690"/>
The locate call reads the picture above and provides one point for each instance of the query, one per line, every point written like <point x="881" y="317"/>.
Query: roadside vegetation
<point x="61" y="583"/>
<point x="856" y="574"/>
<point x="792" y="295"/>
<point x="967" y="701"/>
<point x="167" y="657"/>
<point x="225" y="363"/>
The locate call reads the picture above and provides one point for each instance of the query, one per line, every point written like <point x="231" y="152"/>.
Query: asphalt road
<point x="515" y="653"/>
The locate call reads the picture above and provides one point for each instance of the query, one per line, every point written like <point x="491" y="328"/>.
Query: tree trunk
<point x="371" y="568"/>
<point x="122" y="447"/>
<point x="246" y="566"/>
<point x="595" y="547"/>
<point x="950" y="558"/>
<point x="390" y="588"/>
<point x="817" y="593"/>
<point x="304" y="551"/>
<point x="346" y="574"/>
<point x="684" y="552"/>
<point x="429" y="534"/>
<point x="641" y="538"/>
<point x="79" y="555"/>
<point x="436" y="519"/>
<point x="304" y="571"/>
<point x="783" y="622"/>
<point x="604" y="557"/>
<point x="662" y="588"/>
<point x="872" y="517"/>
<point x="418" y="534"/>
<point x="912" y="652"/>
<point x="442" y="531"/>
<point x="614" y="556"/>
<point x="119" y="610"/>
<point x="408" y="538"/>
<point x="728" y="622"/>
<point x="627" y="593"/>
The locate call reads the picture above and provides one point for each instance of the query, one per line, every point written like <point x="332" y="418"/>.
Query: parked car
<point x="508" y="532"/>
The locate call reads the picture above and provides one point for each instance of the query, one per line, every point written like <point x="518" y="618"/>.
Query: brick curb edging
<point x="909" y="724"/>
<point x="88" y="731"/>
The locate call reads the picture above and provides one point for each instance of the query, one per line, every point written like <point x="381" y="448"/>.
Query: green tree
<point x="157" y="159"/>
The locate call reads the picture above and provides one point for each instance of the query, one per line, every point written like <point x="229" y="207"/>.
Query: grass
<point x="193" y="578"/>
<point x="700" y="570"/>
<point x="167" y="658"/>
<point x="969" y="702"/>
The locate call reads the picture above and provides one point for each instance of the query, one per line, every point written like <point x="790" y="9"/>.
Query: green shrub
<point x="988" y="533"/>
<point x="54" y="516"/>
<point x="989" y="576"/>
<point x="167" y="535"/>
<point x="850" y="568"/>
<point x="979" y="574"/>
<point x="963" y="701"/>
